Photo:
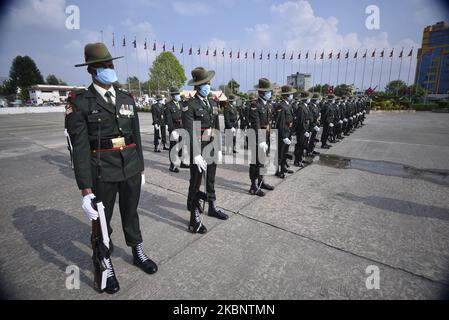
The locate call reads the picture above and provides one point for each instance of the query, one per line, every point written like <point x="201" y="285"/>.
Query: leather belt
<point x="132" y="145"/>
<point x="111" y="143"/>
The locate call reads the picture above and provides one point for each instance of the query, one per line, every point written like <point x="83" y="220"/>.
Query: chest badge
<point x="127" y="110"/>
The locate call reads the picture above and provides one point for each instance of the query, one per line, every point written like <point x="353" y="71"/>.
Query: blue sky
<point x="37" y="28"/>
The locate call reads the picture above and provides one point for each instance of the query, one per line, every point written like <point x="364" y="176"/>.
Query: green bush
<point x="424" y="107"/>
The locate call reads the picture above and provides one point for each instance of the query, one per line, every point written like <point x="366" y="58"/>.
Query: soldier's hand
<point x="287" y="141"/>
<point x="143" y="179"/>
<point x="200" y="162"/>
<point x="174" y="135"/>
<point x="317" y="129"/>
<point x="263" y="146"/>
<point x="86" y="204"/>
<point x="331" y="125"/>
<point x="306" y="134"/>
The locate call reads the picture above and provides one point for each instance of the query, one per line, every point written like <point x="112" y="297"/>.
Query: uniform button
<point x="117" y="116"/>
<point x="99" y="120"/>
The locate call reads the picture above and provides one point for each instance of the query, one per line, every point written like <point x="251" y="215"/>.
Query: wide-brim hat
<point x="331" y="97"/>
<point x="264" y="85"/>
<point x="159" y="97"/>
<point x="200" y="76"/>
<point x="95" y="53"/>
<point x="316" y="96"/>
<point x="287" y="90"/>
<point x="174" y="90"/>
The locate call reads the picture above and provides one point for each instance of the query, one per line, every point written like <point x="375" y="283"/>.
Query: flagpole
<point x="338" y="71"/>
<point x="400" y="65"/>
<point x="126" y="64"/>
<point x="276" y="75"/>
<point x="321" y="80"/>
<point x="346" y="72"/>
<point x="363" y="73"/>
<point x="261" y="66"/>
<point x="330" y="69"/>
<point x="372" y="70"/>
<point x="410" y="67"/>
<point x="148" y="65"/>
<point x="314" y="69"/>
<point x="381" y="68"/>
<point x="246" y="70"/>
<point x="307" y="63"/>
<point x="115" y="55"/>
<point x="138" y="73"/>
<point x="355" y="69"/>
<point x="391" y="64"/>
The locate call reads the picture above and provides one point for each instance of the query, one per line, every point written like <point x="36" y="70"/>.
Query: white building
<point x="300" y="80"/>
<point x="44" y="93"/>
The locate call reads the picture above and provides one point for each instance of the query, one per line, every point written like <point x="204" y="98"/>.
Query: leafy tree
<point x="166" y="72"/>
<point x="53" y="80"/>
<point x="7" y="88"/>
<point x="396" y="87"/>
<point x="24" y="73"/>
<point x="234" y="86"/>
<point x="343" y="90"/>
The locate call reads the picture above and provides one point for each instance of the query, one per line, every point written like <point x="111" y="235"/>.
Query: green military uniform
<point x="158" y="115"/>
<point x="173" y="119"/>
<point x="231" y="119"/>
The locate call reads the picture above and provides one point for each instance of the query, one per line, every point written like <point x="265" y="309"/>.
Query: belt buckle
<point x="118" y="142"/>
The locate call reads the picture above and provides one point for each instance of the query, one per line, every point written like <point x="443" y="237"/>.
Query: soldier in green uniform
<point x="173" y="119"/>
<point x="315" y="124"/>
<point x="302" y="129"/>
<point x="157" y="112"/>
<point x="103" y="126"/>
<point x="198" y="120"/>
<point x="327" y="120"/>
<point x="231" y="119"/>
<point x="283" y="124"/>
<point x="259" y="118"/>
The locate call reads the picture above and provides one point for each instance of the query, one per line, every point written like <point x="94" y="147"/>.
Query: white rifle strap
<point x="105" y="236"/>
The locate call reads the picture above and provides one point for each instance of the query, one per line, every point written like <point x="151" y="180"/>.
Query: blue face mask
<point x="177" y="97"/>
<point x="204" y="90"/>
<point x="106" y="76"/>
<point x="290" y="97"/>
<point x="267" y="95"/>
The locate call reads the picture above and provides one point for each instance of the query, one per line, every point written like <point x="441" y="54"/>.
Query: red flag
<point x="145" y="44"/>
<point x="411" y="53"/>
<point x="154" y="46"/>
<point x="199" y="51"/>
<point x="182" y="48"/>
<point x="370" y="91"/>
<point x="391" y="53"/>
<point x="190" y="51"/>
<point x="330" y="90"/>
<point x="135" y="43"/>
<point x="330" y="55"/>
<point x="373" y="54"/>
<point x="124" y="42"/>
<point x="356" y="53"/>
<point x="322" y="56"/>
<point x="163" y="47"/>
<point x="400" y="54"/>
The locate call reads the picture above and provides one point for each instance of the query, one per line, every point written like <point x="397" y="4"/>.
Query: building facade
<point x="300" y="81"/>
<point x="432" y="69"/>
<point x="43" y="93"/>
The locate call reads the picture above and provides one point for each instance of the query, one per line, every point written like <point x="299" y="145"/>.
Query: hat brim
<point x="210" y="75"/>
<point x="97" y="61"/>
<point x="175" y="92"/>
<point x="289" y="92"/>
<point x="271" y="88"/>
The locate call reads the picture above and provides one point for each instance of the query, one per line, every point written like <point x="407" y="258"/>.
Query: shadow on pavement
<point x="399" y="206"/>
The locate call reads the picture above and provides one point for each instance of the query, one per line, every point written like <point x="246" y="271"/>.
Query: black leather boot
<point x="196" y="223"/>
<point x="141" y="260"/>
<point x="215" y="212"/>
<point x="112" y="285"/>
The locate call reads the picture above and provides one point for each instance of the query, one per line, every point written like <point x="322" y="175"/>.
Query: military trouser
<point x="268" y="140"/>
<point x="311" y="145"/>
<point x="129" y="195"/>
<point x="173" y="143"/>
<point x="282" y="155"/>
<point x="196" y="178"/>
<point x="157" y="137"/>
<point x="299" y="146"/>
<point x="254" y="167"/>
<point x="325" y="134"/>
<point x="163" y="133"/>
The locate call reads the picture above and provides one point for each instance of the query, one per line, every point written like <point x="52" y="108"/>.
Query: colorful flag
<point x="338" y="55"/>
<point x="411" y="53"/>
<point x="182" y="48"/>
<point x="364" y="55"/>
<point x="190" y="51"/>
<point x="154" y="46"/>
<point x="135" y="43"/>
<point x="400" y="54"/>
<point x="347" y="55"/>
<point x="124" y="42"/>
<point x="356" y="54"/>
<point x="330" y="55"/>
<point x="330" y="90"/>
<point x="391" y="53"/>
<point x="163" y="47"/>
<point x="373" y="55"/>
<point x="145" y="44"/>
<point x="382" y="53"/>
<point x="322" y="56"/>
<point x="113" y="40"/>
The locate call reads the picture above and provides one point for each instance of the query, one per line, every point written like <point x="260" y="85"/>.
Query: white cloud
<point x="192" y="8"/>
<point x="144" y="28"/>
<point x="40" y="14"/>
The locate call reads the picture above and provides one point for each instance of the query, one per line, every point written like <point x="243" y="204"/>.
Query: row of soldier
<point x="103" y="130"/>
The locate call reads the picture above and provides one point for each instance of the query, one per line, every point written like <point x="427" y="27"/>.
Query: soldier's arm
<point x="137" y="137"/>
<point x="77" y="128"/>
<point x="253" y="117"/>
<point x="154" y="114"/>
<point x="169" y="119"/>
<point x="187" y="121"/>
<point x="226" y="118"/>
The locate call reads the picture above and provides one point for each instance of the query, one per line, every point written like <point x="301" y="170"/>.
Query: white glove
<point x="263" y="146"/>
<point x="174" y="135"/>
<point x="306" y="134"/>
<point x="340" y="122"/>
<point x="220" y="156"/>
<point x="157" y="127"/>
<point x="166" y="127"/>
<point x="345" y="120"/>
<point x="331" y="125"/>
<point x="316" y="128"/>
<point x="364" y="111"/>
<point x="233" y="130"/>
<point x="200" y="162"/>
<point x="143" y="180"/>
<point x="287" y="141"/>
<point x="86" y="204"/>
